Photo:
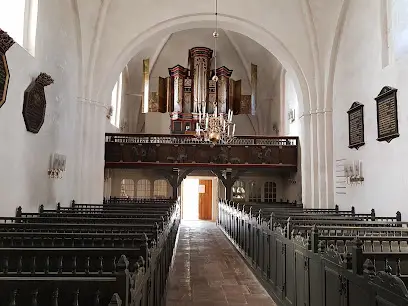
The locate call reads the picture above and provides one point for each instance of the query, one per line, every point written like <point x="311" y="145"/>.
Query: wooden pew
<point x="51" y="257"/>
<point x="298" y="265"/>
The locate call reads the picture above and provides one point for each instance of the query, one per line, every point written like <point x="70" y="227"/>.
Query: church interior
<point x="217" y="152"/>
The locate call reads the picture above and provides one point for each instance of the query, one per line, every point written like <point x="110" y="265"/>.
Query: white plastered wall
<point x="359" y="76"/>
<point x="25" y="157"/>
<point x="85" y="45"/>
<point x="263" y="23"/>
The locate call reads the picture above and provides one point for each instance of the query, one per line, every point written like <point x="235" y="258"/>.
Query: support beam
<point x="228" y="180"/>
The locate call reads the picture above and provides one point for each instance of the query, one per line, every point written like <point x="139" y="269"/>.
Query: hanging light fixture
<point x="215" y="128"/>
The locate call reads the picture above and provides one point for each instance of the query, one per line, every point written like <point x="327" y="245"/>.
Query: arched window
<point x="143" y="189"/>
<point x="116" y="102"/>
<point x="270" y="192"/>
<point x="160" y="188"/>
<point x="19" y="19"/>
<point x="399" y="13"/>
<point x="127" y="188"/>
<point x="238" y="191"/>
<point x="254" y="192"/>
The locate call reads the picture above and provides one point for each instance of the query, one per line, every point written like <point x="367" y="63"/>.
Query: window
<point x="116" y="102"/>
<point x="143" y="189"/>
<point x="399" y="13"/>
<point x="127" y="188"/>
<point x="254" y="192"/>
<point x="30" y="26"/>
<point x="160" y="189"/>
<point x="19" y="19"/>
<point x="270" y="192"/>
<point x="238" y="191"/>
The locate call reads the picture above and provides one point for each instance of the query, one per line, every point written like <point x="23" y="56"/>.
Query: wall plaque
<point x="356" y="125"/>
<point x="387" y="114"/>
<point x="5" y="43"/>
<point x="35" y="103"/>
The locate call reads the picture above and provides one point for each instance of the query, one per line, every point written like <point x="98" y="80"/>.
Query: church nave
<point x="208" y="271"/>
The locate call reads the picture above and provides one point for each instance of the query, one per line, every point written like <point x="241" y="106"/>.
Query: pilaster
<point x="306" y="160"/>
<point x="321" y="162"/>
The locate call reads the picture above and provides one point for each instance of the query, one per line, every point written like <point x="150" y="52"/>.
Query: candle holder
<point x="353" y="173"/>
<point x="215" y="128"/>
<point x="57" y="166"/>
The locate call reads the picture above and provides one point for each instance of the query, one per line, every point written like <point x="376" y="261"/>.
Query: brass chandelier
<point x="215" y="128"/>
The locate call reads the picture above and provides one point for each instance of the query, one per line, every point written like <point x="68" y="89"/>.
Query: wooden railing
<point x="134" y="150"/>
<point x="321" y="257"/>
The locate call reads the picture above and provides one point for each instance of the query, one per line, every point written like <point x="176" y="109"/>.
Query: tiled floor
<point x="208" y="271"/>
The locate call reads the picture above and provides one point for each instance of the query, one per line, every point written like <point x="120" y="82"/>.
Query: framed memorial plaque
<point x="356" y="125"/>
<point x="387" y="114"/>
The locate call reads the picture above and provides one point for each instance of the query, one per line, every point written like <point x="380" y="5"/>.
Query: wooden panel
<point x="237" y="97"/>
<point x="169" y="94"/>
<point x="205" y="200"/>
<point x="162" y="95"/>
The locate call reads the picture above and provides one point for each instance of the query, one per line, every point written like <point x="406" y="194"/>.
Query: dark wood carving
<point x="137" y="151"/>
<point x="35" y="103"/>
<point x="356" y="125"/>
<point x="5" y="43"/>
<point x="162" y="95"/>
<point x="387" y="114"/>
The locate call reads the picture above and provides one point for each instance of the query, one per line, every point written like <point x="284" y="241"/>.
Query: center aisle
<point x="208" y="271"/>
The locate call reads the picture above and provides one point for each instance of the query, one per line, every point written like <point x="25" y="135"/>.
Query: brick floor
<point x="208" y="271"/>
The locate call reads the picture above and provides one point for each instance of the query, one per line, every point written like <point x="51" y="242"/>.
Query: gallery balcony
<point x="185" y="151"/>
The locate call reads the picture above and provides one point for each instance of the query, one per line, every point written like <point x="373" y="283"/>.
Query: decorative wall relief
<point x="254" y="87"/>
<point x="187" y="103"/>
<point x="178" y="73"/>
<point x="35" y="103"/>
<point x="356" y="125"/>
<point x="5" y="43"/>
<point x="153" y="102"/>
<point x="245" y="107"/>
<point x="387" y="114"/>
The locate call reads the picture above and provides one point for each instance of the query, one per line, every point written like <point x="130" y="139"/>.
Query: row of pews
<point x="116" y="253"/>
<point x="321" y="257"/>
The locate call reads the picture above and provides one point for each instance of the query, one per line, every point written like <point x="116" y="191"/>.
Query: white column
<point x="314" y="160"/>
<point x="97" y="150"/>
<point x="321" y="160"/>
<point x="91" y="152"/>
<point x="83" y="151"/>
<point x="306" y="157"/>
<point x="328" y="128"/>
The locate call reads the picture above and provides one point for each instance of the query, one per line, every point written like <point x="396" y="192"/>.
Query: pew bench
<point x="311" y="258"/>
<point x="57" y="239"/>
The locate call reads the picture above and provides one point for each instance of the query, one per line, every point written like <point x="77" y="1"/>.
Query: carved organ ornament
<point x="191" y="90"/>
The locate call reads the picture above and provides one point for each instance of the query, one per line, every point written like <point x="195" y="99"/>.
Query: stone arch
<point x="259" y="34"/>
<point x="101" y="82"/>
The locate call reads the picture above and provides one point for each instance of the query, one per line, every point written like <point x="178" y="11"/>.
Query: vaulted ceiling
<point x="234" y="50"/>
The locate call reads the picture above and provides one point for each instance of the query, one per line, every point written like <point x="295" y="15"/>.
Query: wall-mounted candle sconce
<point x="57" y="166"/>
<point x="353" y="171"/>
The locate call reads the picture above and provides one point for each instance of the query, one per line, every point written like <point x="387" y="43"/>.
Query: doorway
<point x="197" y="198"/>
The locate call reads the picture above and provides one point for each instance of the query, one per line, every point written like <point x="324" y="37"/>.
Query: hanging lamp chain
<point x="216" y="34"/>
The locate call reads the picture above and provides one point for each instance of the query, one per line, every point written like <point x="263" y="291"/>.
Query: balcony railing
<point x="190" y="139"/>
<point x="136" y="150"/>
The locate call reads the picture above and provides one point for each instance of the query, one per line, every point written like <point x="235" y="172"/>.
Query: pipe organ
<point x="189" y="91"/>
